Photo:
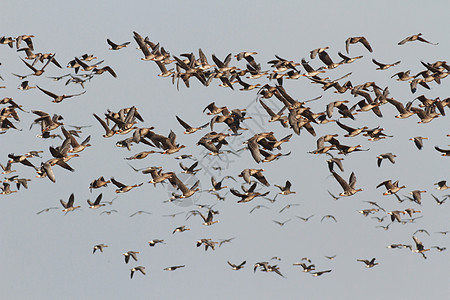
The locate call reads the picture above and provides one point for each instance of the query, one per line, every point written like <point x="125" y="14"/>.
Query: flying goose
<point x="349" y="188"/>
<point x="69" y="205"/>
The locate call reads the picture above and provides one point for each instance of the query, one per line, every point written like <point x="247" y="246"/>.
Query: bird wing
<point x="117" y="183"/>
<point x="184" y="124"/>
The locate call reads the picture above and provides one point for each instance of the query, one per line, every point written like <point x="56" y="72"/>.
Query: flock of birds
<point x="263" y="147"/>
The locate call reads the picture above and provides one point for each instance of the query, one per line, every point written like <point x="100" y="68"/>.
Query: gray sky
<point x="49" y="256"/>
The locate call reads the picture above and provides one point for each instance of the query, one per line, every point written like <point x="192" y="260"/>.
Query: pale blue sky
<point x="49" y="256"/>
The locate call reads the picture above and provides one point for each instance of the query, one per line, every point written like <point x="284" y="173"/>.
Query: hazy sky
<point x="49" y="256"/>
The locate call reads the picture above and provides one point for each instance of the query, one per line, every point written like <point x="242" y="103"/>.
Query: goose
<point x="115" y="46"/>
<point x="225" y="241"/>
<point x="69" y="205"/>
<point x="417" y="197"/>
<point x="319" y="273"/>
<point x="415" y="37"/>
<point x="359" y="39"/>
<point x="419" y="246"/>
<point x="6" y="190"/>
<point x="388" y="156"/>
<point x="305" y="219"/>
<point x="351" y="131"/>
<point x="395" y="215"/>
<point x="405" y="111"/>
<point x="152" y="243"/>
<point x="306" y="268"/>
<point x="173" y="268"/>
<point x="328" y="217"/>
<point x="286" y="189"/>
<point x="186" y="192"/>
<point x="349" y="189"/>
<point x="403" y="76"/>
<point x="76" y="147"/>
<point x="100" y="71"/>
<point x="98" y="183"/>
<point x="37" y="72"/>
<point x="129" y="254"/>
<point x="189" y="129"/>
<point x="26" y="38"/>
<point x="288" y="206"/>
<point x="249" y="195"/>
<point x="237" y="267"/>
<point x="122" y="188"/>
<point x="99" y="247"/>
<point x="442" y="185"/>
<point x="140" y="212"/>
<point x="391" y="188"/>
<point x="257" y="207"/>
<point x="46" y="210"/>
<point x="180" y="229"/>
<point x="208" y="220"/>
<point x="135" y="269"/>
<point x="369" y="263"/>
<point x="96" y="204"/>
<point x="191" y="169"/>
<point x="445" y="152"/>
<point x="281" y="223"/>
<point x="418" y="141"/>
<point x="348" y="60"/>
<point x="382" y="66"/>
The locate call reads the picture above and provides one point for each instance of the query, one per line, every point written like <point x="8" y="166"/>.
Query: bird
<point x="129" y="254"/>
<point x="115" y="46"/>
<point x="46" y="210"/>
<point x="319" y="273"/>
<point x="369" y="263"/>
<point x="180" y="229"/>
<point x="288" y="206"/>
<point x="135" y="269"/>
<point x="237" y="267"/>
<point x="354" y="40"/>
<point x="415" y="37"/>
<point x="382" y="66"/>
<point x="388" y="156"/>
<point x="122" y="188"/>
<point x="68" y="206"/>
<point x="395" y="215"/>
<point x="445" y="152"/>
<point x="57" y="98"/>
<point x="258" y="207"/>
<point x="37" y="72"/>
<point x="418" y="141"/>
<point x="99" y="247"/>
<point x="419" y="246"/>
<point x="208" y="219"/>
<point x="417" y="197"/>
<point x="152" y="243"/>
<point x="281" y="223"/>
<point x="189" y="129"/>
<point x="256" y="173"/>
<point x="391" y="188"/>
<point x="439" y="249"/>
<point x="328" y="217"/>
<point x="96" y="203"/>
<point x="442" y="185"/>
<point x="305" y="219"/>
<point x="438" y="202"/>
<point x="173" y="268"/>
<point x="349" y="188"/>
<point x="306" y="268"/>
<point x="140" y="212"/>
<point x="286" y="189"/>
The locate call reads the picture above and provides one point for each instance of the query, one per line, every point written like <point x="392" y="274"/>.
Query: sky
<point x="49" y="255"/>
